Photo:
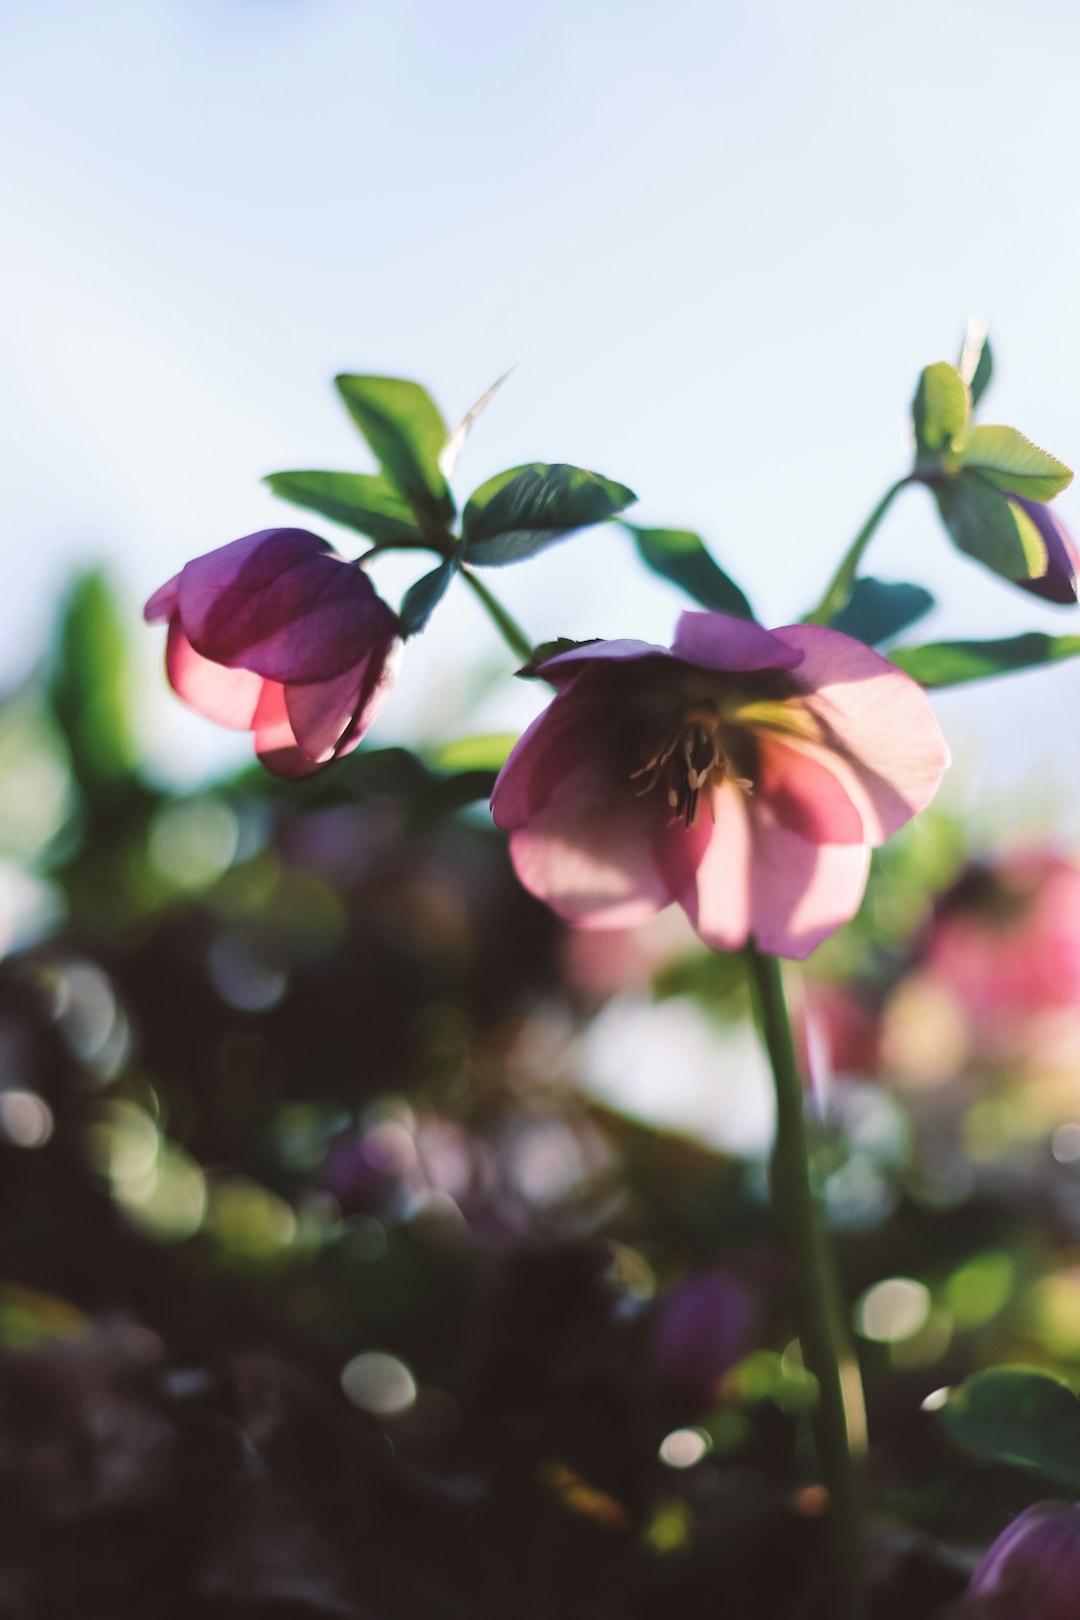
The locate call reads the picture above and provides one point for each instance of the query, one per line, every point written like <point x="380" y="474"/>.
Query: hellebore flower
<point x="742" y="773"/>
<point x="278" y="635"/>
<point x="1058" y="583"/>
<point x="1032" y="1571"/>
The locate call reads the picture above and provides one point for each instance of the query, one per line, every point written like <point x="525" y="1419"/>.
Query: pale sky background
<point x="719" y="240"/>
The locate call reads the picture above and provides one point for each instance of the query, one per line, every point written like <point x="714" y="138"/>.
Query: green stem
<point x="840" y="1424"/>
<point x="508" y="628"/>
<point x="839" y="589"/>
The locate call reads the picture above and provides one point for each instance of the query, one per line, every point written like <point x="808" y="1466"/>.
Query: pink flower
<point x="277" y="634"/>
<point x="743" y="773"/>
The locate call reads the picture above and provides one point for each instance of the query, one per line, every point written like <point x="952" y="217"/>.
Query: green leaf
<point x="1013" y="463"/>
<point x="405" y="429"/>
<point x="878" y="609"/>
<point x="367" y="502"/>
<point x="421" y="599"/>
<point x="940" y="409"/>
<point x="952" y="663"/>
<point x="680" y="556"/>
<point x="989" y="527"/>
<point x="488" y="753"/>
<point x="976" y="362"/>
<point x="519" y="512"/>
<point x="90" y="685"/>
<point x="1017" y="1415"/>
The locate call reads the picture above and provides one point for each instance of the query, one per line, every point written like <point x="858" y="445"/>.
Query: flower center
<point x="690" y="762"/>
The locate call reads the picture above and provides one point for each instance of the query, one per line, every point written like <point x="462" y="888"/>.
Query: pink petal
<point x="717" y="641"/>
<point x="621" y="652"/>
<point x="275" y="741"/>
<point x="801" y="892"/>
<point x="883" y="738"/>
<point x="281" y="603"/>
<point x="716" y="895"/>
<point x="162" y="605"/>
<point x="322" y="712"/>
<point x="805" y="796"/>
<point x="569" y="732"/>
<point x="228" y="696"/>
<point x="590" y="852"/>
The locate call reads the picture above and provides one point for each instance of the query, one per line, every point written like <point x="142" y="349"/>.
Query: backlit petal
<point x="228" y="696"/>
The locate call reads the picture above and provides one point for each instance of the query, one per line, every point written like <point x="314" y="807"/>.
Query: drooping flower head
<point x="742" y="773"/>
<point x="1059" y="581"/>
<point x="278" y="635"/>
<point x="1032" y="1571"/>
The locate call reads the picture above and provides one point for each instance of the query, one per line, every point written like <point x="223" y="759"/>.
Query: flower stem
<point x="508" y="628"/>
<point x="838" y="593"/>
<point x="840" y="1424"/>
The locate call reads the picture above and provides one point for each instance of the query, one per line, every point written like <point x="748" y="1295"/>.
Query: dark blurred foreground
<point x="325" y="1287"/>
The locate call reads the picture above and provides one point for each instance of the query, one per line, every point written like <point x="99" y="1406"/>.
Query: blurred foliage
<point x="330" y="1285"/>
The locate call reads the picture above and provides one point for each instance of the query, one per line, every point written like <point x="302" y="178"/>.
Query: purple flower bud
<point x="1058" y="584"/>
<point x="1032" y="1571"/>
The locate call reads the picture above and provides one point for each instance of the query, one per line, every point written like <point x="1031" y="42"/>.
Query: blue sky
<point x="719" y="240"/>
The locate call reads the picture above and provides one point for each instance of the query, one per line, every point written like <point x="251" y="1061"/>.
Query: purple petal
<point x="570" y="731"/>
<point x="162" y="605"/>
<point x="1058" y="584"/>
<point x="275" y="740"/>
<point x="280" y="603"/>
<point x="610" y="651"/>
<point x="717" y="641"/>
<point x="324" y="714"/>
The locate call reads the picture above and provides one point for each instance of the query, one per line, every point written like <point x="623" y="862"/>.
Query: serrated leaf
<point x="1017" y="1415"/>
<point x="953" y="663"/>
<point x="451" y="450"/>
<point x="422" y="598"/>
<point x="940" y="409"/>
<point x="366" y="502"/>
<point x="680" y="556"/>
<point x="405" y="429"/>
<point x="976" y="362"/>
<point x="1011" y="462"/>
<point x="520" y="512"/>
<point x="487" y="753"/>
<point x="878" y="609"/>
<point x="989" y="527"/>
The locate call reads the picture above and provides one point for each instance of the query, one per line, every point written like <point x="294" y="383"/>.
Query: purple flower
<point x="278" y="635"/>
<point x="1032" y="1571"/>
<point x="1058" y="583"/>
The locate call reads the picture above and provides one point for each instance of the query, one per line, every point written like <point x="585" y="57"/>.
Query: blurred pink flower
<point x="278" y="635"/>
<point x="1006" y="939"/>
<point x="743" y="774"/>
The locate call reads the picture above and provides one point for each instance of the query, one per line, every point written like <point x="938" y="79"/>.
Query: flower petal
<point x="281" y="603"/>
<point x="882" y="737"/>
<point x="620" y="652"/>
<point x="570" y="731"/>
<point x="716" y="893"/>
<point x="162" y="605"/>
<point x="804" y="795"/>
<point x="228" y="696"/>
<point x="718" y="641"/>
<point x="1058" y="584"/>
<point x="590" y="851"/>
<point x="275" y="740"/>
<point x="323" y="713"/>
<point x="800" y="892"/>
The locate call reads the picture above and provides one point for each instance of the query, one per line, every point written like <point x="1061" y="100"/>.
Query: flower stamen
<point x="692" y="761"/>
